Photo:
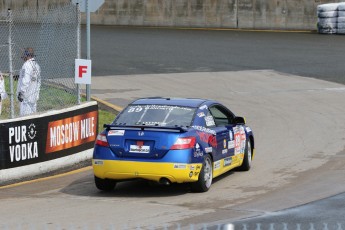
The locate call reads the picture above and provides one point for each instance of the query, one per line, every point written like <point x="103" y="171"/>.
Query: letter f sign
<point x="82" y="71"/>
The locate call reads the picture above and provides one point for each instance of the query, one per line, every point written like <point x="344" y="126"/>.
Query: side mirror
<point x="239" y="120"/>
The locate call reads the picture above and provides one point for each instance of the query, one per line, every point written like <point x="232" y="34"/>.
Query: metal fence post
<point x="88" y="49"/>
<point x="236" y="14"/>
<point x="78" y="47"/>
<point x="10" y="24"/>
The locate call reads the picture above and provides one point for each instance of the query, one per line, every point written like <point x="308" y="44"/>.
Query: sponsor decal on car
<point x="216" y="165"/>
<point x="224" y="143"/>
<point x="231" y="135"/>
<point x="203" y="107"/>
<point x="116" y="132"/>
<point x="201" y="114"/>
<point x="224" y="151"/>
<point x="208" y="150"/>
<point x="240" y="139"/>
<point x="152" y="123"/>
<point x="227" y="161"/>
<point x="98" y="162"/>
<point x="204" y="129"/>
<point x="231" y="144"/>
<point x="139" y="108"/>
<point x="190" y="174"/>
<point x="180" y="166"/>
<point x="209" y="121"/>
<point x="198" y="152"/>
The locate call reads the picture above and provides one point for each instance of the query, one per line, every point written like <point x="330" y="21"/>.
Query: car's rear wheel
<point x="205" y="177"/>
<point x="247" y="160"/>
<point x="105" y="184"/>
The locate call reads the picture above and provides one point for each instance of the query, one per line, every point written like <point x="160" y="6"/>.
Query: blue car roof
<point x="190" y="102"/>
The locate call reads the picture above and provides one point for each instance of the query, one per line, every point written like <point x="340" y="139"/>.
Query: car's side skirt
<point x="226" y="164"/>
<point x="125" y="170"/>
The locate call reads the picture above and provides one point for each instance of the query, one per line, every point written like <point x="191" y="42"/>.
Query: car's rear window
<point x="156" y="115"/>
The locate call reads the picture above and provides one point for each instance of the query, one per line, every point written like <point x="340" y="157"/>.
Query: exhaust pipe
<point x="164" y="181"/>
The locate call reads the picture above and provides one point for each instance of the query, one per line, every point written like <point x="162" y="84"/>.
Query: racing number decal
<point x="135" y="109"/>
<point x="240" y="139"/>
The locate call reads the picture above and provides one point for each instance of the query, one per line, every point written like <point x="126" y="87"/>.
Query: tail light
<point x="184" y="143"/>
<point x="102" y="140"/>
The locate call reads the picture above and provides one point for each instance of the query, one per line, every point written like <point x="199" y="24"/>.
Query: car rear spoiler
<point x="148" y="128"/>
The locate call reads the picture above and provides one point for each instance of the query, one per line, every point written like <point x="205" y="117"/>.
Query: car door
<point x="223" y="125"/>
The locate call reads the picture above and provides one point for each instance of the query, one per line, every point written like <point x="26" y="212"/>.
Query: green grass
<point x="56" y="97"/>
<point x="52" y="96"/>
<point x="105" y="117"/>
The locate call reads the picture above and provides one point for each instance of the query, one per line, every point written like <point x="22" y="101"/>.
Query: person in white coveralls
<point x="29" y="83"/>
<point x="3" y="94"/>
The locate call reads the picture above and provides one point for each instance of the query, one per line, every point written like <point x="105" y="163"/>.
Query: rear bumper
<point x="125" y="170"/>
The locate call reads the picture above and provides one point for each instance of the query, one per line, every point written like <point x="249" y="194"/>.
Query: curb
<point x="114" y="107"/>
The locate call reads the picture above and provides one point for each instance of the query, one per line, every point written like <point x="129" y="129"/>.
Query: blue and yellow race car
<point x="172" y="140"/>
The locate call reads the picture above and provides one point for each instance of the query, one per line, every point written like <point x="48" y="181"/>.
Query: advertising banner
<point x="40" y="139"/>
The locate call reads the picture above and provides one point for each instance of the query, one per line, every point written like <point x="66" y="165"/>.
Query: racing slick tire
<point x="205" y="177"/>
<point x="105" y="184"/>
<point x="341" y="26"/>
<point x="328" y="14"/>
<point x="327" y="7"/>
<point x="340" y="20"/>
<point x="341" y="31"/>
<point x="327" y="22"/>
<point x="247" y="160"/>
<point x="341" y="6"/>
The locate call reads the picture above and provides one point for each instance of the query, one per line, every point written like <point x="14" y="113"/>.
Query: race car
<point x="172" y="140"/>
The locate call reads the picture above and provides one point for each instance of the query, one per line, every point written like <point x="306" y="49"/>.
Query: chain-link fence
<point x="49" y="36"/>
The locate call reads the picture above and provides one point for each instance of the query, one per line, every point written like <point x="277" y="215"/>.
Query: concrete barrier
<point x="42" y="143"/>
<point x="245" y="14"/>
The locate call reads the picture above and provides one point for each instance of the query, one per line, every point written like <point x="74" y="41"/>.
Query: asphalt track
<point x="297" y="121"/>
<point x="128" y="51"/>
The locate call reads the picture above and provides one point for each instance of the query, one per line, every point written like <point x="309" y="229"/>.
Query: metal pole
<point x="10" y="21"/>
<point x="88" y="55"/>
<point x="78" y="47"/>
<point x="237" y="14"/>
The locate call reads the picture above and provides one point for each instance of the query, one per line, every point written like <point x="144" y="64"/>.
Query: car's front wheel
<point x="105" y="184"/>
<point x="205" y="177"/>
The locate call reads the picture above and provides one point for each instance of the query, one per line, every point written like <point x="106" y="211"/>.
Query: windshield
<point x="156" y="115"/>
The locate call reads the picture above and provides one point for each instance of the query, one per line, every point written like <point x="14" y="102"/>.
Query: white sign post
<point x="82" y="71"/>
<point x="93" y="5"/>
<point x="88" y="6"/>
